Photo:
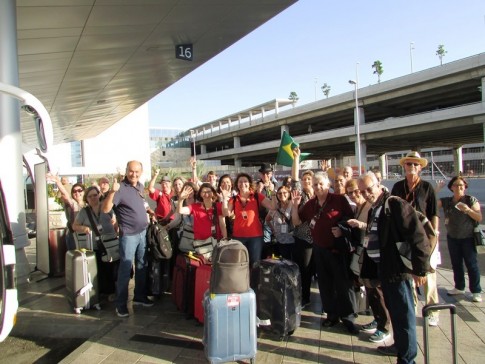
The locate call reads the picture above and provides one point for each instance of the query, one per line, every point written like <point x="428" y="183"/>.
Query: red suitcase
<point x="183" y="282"/>
<point x="202" y="281"/>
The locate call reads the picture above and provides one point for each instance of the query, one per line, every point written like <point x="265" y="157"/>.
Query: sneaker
<point x="433" y="321"/>
<point x="370" y="327"/>
<point x="379" y="336"/>
<point x="144" y="302"/>
<point x="122" y="312"/>
<point x="387" y="350"/>
<point x="455" y="291"/>
<point x="477" y="297"/>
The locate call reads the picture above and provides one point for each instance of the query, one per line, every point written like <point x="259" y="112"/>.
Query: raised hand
<point x="116" y="185"/>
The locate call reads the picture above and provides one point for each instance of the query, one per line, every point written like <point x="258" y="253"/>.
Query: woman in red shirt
<point x="245" y="205"/>
<point x="208" y="218"/>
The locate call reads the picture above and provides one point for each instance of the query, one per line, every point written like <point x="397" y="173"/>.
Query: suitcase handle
<point x="438" y="307"/>
<point x="454" y="342"/>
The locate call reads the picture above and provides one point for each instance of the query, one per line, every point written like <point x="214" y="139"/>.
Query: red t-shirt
<point x="250" y="226"/>
<point x="337" y="208"/>
<point x="164" y="205"/>
<point x="204" y="219"/>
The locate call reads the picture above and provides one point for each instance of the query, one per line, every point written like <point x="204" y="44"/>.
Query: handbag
<point x="205" y="247"/>
<point x="356" y="260"/>
<point x="478" y="235"/>
<point x="186" y="243"/>
<point x="108" y="244"/>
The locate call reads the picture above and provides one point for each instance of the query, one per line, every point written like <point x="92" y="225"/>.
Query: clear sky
<point x="318" y="41"/>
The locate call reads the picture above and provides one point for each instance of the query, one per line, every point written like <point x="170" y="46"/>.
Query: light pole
<point x="357" y="124"/>
<point x="192" y="143"/>
<point x="411" y="47"/>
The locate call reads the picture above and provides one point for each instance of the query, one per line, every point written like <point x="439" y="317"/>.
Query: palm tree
<point x="293" y="97"/>
<point x="379" y="70"/>
<point x="441" y="53"/>
<point x="326" y="90"/>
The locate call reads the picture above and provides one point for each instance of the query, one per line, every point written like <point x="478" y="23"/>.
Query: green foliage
<point x="441" y="52"/>
<point x="326" y="90"/>
<point x="378" y="69"/>
<point x="293" y="96"/>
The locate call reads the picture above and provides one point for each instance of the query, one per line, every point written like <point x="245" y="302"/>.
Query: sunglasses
<point x="367" y="190"/>
<point x="77" y="191"/>
<point x="409" y="164"/>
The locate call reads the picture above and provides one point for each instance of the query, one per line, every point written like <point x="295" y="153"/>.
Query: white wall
<point x="109" y="152"/>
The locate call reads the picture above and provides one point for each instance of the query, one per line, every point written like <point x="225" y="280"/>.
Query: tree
<point x="293" y="97"/>
<point x="441" y="52"/>
<point x="379" y="70"/>
<point x="326" y="90"/>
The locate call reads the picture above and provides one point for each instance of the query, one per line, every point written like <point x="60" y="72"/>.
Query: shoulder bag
<point x="107" y="243"/>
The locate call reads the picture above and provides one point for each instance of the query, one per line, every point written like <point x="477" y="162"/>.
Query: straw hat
<point x="414" y="157"/>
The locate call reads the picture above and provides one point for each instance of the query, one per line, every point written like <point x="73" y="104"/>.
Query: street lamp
<point x="357" y="124"/>
<point x="192" y="143"/>
<point x="411" y="47"/>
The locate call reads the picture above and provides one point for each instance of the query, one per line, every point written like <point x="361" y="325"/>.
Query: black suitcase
<point x="82" y="279"/>
<point x="278" y="295"/>
<point x="437" y="307"/>
<point x="158" y="277"/>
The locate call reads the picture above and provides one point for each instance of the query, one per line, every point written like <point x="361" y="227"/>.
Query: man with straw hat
<point x="421" y="195"/>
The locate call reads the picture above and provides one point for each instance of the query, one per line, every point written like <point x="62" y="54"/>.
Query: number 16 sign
<point x="184" y="51"/>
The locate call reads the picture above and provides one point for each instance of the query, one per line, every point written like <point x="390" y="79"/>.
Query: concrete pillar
<point x="237" y="142"/>
<point x="203" y="149"/>
<point x="237" y="163"/>
<point x="285" y="128"/>
<point x="239" y="121"/>
<point x="458" y="160"/>
<point x="11" y="137"/>
<point x="483" y="89"/>
<point x="262" y="114"/>
<point x="383" y="165"/>
<point x="339" y="162"/>
<point x="276" y="108"/>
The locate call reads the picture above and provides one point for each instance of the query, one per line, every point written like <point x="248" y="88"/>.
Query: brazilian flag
<point x="285" y="153"/>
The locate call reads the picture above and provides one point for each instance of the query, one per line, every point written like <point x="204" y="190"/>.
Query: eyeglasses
<point x="282" y="193"/>
<point x="354" y="192"/>
<point x="77" y="191"/>
<point x="458" y="185"/>
<point x="409" y="164"/>
<point x="367" y="190"/>
<point x="206" y="192"/>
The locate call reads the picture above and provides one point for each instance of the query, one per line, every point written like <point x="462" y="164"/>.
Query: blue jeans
<point x="400" y="304"/>
<point x="132" y="247"/>
<point x="254" y="246"/>
<point x="464" y="250"/>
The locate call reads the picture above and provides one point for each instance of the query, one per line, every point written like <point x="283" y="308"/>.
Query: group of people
<point x="308" y="219"/>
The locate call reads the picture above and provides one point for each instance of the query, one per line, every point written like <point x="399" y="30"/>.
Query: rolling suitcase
<point x="202" y="281"/>
<point x="278" y="292"/>
<point x="82" y="279"/>
<point x="183" y="282"/>
<point x="158" y="277"/>
<point x="437" y="307"/>
<point x="230" y="327"/>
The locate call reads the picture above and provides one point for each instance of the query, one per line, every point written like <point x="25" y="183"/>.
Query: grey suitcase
<point x="438" y="307"/>
<point x="82" y="279"/>
<point x="230" y="332"/>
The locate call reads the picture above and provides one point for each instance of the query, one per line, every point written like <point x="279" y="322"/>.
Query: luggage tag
<point x="312" y="223"/>
<point x="366" y="242"/>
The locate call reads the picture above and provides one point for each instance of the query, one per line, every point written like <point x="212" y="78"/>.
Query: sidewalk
<point x="161" y="334"/>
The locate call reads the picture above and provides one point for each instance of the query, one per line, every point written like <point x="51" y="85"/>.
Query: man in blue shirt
<point x="128" y="201"/>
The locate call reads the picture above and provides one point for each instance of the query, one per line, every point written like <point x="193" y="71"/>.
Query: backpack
<point x="230" y="268"/>
<point x="158" y="242"/>
<point x="403" y="247"/>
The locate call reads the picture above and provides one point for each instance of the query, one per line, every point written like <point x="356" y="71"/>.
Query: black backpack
<point x="158" y="242"/>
